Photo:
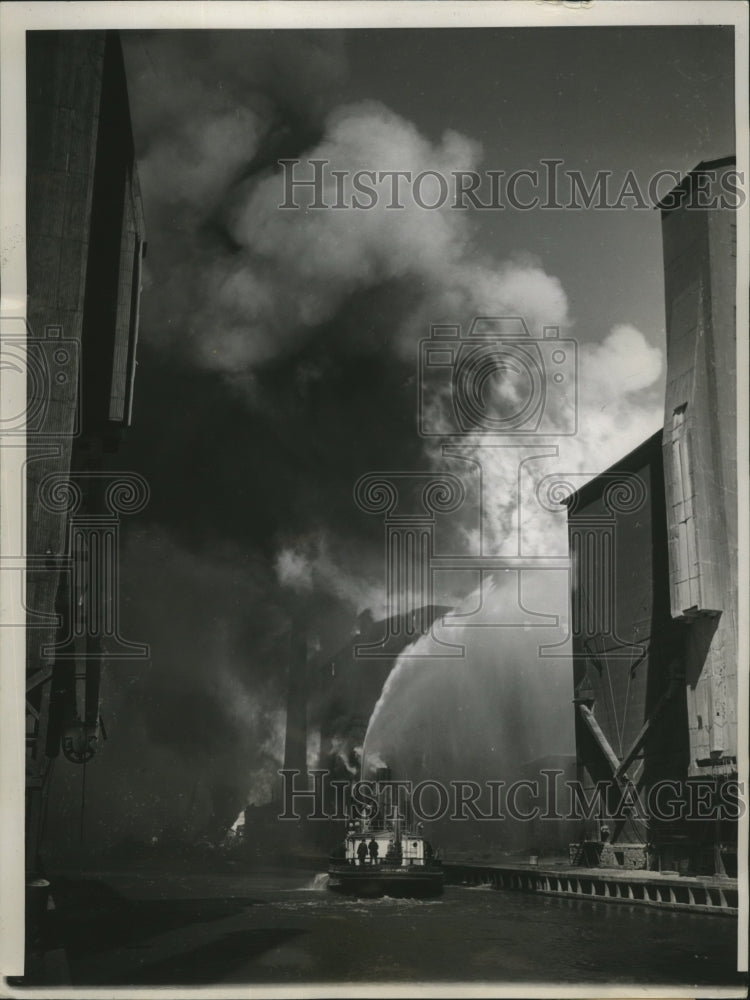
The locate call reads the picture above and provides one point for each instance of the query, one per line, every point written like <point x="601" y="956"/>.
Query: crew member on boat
<point x="373" y="845"/>
<point x="393" y="854"/>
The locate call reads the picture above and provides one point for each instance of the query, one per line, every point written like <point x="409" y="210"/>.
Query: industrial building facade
<point x="85" y="246"/>
<point x="653" y="544"/>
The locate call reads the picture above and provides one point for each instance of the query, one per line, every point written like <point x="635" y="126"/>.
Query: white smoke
<point x="619" y="406"/>
<point x="623" y="364"/>
<point x="502" y="704"/>
<point x="293" y="569"/>
<point x="339" y="748"/>
<point x="308" y="563"/>
<point x="289" y="271"/>
<point x="372" y="760"/>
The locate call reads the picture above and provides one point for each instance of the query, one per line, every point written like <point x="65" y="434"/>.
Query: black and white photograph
<point x="374" y="499"/>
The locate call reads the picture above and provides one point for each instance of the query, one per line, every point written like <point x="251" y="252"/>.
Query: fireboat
<point x="383" y="855"/>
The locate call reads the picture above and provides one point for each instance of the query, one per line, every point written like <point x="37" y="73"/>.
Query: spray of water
<point x="483" y="715"/>
<point x="319" y="883"/>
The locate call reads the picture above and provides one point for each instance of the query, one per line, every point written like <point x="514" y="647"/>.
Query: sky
<point x="278" y="363"/>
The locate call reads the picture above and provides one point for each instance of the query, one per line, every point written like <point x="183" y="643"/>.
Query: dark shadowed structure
<point x="654" y="547"/>
<point x="85" y="245"/>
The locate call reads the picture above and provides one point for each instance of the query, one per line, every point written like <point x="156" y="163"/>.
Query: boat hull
<point x="384" y="880"/>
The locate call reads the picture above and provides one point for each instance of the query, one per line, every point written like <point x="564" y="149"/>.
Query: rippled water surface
<point x="278" y="926"/>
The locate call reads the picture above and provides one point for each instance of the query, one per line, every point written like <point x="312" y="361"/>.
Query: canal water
<point x="284" y="927"/>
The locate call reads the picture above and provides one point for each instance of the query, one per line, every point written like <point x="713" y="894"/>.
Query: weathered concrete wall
<point x="64" y="83"/>
<point x="700" y="446"/>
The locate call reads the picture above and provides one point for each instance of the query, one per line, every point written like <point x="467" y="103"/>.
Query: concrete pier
<point x="699" y="894"/>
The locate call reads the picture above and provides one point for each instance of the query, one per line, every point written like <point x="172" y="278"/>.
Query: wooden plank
<point x="600" y="738"/>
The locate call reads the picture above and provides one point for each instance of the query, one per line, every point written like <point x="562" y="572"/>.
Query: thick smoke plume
<point x="243" y="283"/>
<point x="278" y="364"/>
